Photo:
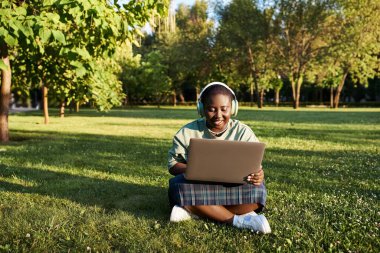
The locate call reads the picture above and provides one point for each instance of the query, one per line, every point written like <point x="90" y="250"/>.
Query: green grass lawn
<point x="98" y="182"/>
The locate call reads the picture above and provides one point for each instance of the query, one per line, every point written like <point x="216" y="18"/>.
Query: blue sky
<point x="175" y="3"/>
<point x="188" y="2"/>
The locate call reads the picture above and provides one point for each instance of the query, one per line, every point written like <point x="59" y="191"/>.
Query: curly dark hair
<point x="215" y="90"/>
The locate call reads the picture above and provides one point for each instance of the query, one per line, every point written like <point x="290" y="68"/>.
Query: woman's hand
<point x="256" y="178"/>
<point x="178" y="168"/>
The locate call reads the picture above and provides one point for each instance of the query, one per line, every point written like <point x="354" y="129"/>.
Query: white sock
<point x="235" y="220"/>
<point x="253" y="222"/>
<point x="240" y="217"/>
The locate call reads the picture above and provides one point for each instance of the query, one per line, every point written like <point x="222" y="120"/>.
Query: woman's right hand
<point x="256" y="178"/>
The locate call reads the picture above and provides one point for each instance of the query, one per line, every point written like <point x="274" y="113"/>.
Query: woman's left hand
<point x="256" y="178"/>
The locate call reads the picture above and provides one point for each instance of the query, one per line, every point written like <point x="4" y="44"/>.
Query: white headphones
<point x="234" y="102"/>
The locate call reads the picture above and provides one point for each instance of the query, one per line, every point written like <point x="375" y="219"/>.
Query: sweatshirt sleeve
<point x="178" y="151"/>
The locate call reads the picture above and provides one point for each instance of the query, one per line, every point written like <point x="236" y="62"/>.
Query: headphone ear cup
<point x="200" y="108"/>
<point x="234" y="107"/>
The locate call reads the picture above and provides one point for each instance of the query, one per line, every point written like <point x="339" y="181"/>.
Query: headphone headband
<point x="234" y="102"/>
<point x="216" y="83"/>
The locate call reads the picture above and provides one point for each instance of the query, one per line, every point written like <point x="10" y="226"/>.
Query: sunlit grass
<point x="97" y="182"/>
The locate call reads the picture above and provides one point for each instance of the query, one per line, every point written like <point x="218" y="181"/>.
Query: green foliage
<point x="57" y="43"/>
<point x="352" y="49"/>
<point x="105" y="88"/>
<point x="276" y="83"/>
<point x="130" y="78"/>
<point x="356" y="46"/>
<point x="303" y="31"/>
<point x="154" y="75"/>
<point x="244" y="47"/>
<point x="3" y="65"/>
<point x="146" y="79"/>
<point x="103" y="186"/>
<point x="192" y="50"/>
<point x="241" y="28"/>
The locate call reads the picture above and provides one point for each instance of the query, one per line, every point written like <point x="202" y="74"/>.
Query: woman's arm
<point x="178" y="168"/>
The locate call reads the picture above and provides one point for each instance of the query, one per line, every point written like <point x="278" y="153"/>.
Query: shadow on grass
<point x="111" y="172"/>
<point x="125" y="156"/>
<point x="281" y="116"/>
<point x="139" y="200"/>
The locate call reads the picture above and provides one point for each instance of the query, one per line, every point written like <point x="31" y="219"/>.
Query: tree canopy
<point x="57" y="44"/>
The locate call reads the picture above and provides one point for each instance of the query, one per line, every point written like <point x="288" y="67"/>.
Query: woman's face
<point x="217" y="112"/>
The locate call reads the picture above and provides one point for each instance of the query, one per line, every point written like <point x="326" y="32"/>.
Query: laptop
<point x="223" y="161"/>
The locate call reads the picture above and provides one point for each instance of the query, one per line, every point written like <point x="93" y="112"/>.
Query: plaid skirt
<point x="183" y="192"/>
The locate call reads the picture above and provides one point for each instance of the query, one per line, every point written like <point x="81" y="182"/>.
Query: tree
<point x="146" y="79"/>
<point x="192" y="48"/>
<point x="325" y="73"/>
<point x="304" y="28"/>
<point x="70" y="30"/>
<point x="154" y="75"/>
<point x="163" y="42"/>
<point x="357" y="48"/>
<point x="105" y="89"/>
<point x="353" y="48"/>
<point x="130" y="78"/>
<point x="244" y="40"/>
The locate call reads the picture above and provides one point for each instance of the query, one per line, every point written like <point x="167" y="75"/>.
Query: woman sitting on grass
<point x="217" y="103"/>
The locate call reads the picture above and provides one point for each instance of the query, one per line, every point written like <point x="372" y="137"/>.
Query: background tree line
<point x="259" y="48"/>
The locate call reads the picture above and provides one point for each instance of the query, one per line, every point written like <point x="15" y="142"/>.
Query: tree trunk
<point x="298" y="92"/>
<point x="261" y="98"/>
<point x="277" y="99"/>
<point x="181" y="98"/>
<point x="331" y="96"/>
<point x="294" y="95"/>
<point x="251" y="95"/>
<point x="62" y="109"/>
<point x="159" y="101"/>
<point x="253" y="73"/>
<point x="174" y="98"/>
<point x="45" y="99"/>
<point x="76" y="106"/>
<point x="339" y="90"/>
<point x="5" y="94"/>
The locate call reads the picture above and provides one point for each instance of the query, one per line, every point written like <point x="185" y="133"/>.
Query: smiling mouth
<point x="218" y="122"/>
